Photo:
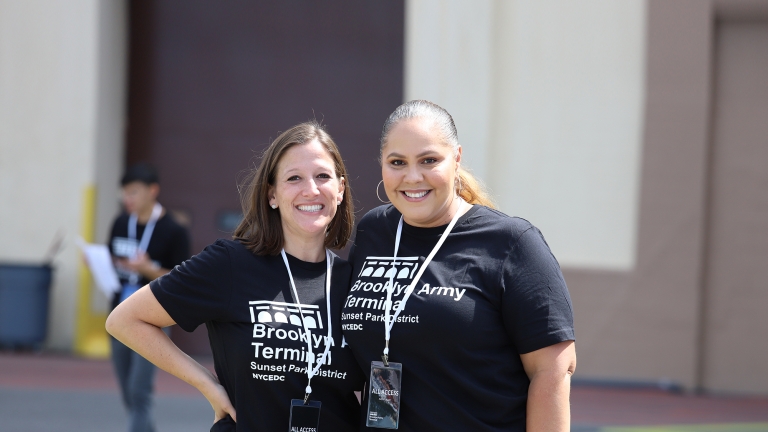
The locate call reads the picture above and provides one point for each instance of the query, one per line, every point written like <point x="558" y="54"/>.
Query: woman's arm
<point x="550" y="370"/>
<point x="137" y="322"/>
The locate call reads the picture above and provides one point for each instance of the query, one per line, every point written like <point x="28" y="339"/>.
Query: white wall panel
<point x="56" y="109"/>
<point x="448" y="60"/>
<point x="549" y="106"/>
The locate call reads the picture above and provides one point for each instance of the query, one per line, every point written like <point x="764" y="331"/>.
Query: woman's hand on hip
<point x="219" y="400"/>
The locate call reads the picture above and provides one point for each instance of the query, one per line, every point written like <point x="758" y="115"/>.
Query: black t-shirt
<point x="168" y="246"/>
<point x="253" y="325"/>
<point x="492" y="292"/>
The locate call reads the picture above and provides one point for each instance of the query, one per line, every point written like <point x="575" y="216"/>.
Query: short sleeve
<point x="197" y="290"/>
<point x="536" y="306"/>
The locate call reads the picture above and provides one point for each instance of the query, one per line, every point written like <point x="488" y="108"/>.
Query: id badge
<point x="128" y="289"/>
<point x="384" y="395"/>
<point x="304" y="418"/>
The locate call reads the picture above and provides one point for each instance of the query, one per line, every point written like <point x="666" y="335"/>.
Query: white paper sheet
<point x="100" y="264"/>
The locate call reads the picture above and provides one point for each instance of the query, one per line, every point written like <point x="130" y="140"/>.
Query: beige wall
<point x="736" y="276"/>
<point x="61" y="129"/>
<point x="548" y="100"/>
<point x="449" y="59"/>
<point x="683" y="314"/>
<point x="644" y="324"/>
<point x="600" y="132"/>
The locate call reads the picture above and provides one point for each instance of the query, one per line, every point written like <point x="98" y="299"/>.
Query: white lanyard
<point x="146" y="236"/>
<point x="328" y="341"/>
<point x="388" y="323"/>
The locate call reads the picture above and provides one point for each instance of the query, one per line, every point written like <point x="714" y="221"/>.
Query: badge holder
<point x="305" y="417"/>
<point x="384" y="395"/>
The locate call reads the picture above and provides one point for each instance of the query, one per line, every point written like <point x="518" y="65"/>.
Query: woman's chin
<point x="309" y="231"/>
<point x="418" y="219"/>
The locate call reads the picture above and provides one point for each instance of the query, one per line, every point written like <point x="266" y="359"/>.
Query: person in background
<point x="271" y="299"/>
<point x="468" y="303"/>
<point x="146" y="243"/>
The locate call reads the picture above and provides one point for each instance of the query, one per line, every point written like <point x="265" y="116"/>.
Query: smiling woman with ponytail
<point x="499" y="355"/>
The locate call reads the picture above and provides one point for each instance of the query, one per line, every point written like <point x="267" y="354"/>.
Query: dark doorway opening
<point x="211" y="84"/>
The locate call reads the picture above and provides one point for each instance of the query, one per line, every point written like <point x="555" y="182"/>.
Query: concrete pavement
<point x="608" y="409"/>
<point x="56" y="393"/>
<point x="48" y="392"/>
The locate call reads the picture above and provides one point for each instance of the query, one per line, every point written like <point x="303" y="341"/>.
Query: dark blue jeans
<point x="136" y="377"/>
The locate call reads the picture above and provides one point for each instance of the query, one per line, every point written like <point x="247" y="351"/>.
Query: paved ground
<point x="647" y="410"/>
<point x="50" y="393"/>
<point x="45" y="392"/>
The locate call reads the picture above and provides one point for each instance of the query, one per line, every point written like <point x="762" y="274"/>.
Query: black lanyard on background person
<point x="384" y="389"/>
<point x="306" y="413"/>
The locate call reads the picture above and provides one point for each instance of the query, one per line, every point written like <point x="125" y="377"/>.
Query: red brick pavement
<point x="597" y="406"/>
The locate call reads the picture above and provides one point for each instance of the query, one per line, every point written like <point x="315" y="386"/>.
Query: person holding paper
<point x="145" y="243"/>
<point x="459" y="311"/>
<point x="270" y="298"/>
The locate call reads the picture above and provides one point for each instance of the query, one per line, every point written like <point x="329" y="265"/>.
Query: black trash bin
<point x="24" y="297"/>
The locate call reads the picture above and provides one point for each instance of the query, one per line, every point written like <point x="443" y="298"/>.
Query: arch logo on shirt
<point x="381" y="267"/>
<point x="279" y="312"/>
<point x="280" y="342"/>
<point x="369" y="291"/>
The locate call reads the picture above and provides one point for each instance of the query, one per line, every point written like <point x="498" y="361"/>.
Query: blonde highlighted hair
<point x="468" y="187"/>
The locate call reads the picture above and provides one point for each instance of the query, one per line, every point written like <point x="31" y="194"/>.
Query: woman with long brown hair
<point x="270" y="298"/>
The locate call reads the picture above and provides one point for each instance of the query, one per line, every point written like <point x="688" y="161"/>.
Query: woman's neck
<point x="309" y="250"/>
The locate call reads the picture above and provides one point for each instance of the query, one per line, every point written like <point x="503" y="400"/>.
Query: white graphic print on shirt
<point x="376" y="277"/>
<point x="275" y="326"/>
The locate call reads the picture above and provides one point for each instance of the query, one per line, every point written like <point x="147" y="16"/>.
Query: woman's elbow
<point x="115" y="321"/>
<point x="571" y="364"/>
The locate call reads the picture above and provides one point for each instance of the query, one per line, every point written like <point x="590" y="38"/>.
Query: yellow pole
<point x="91" y="339"/>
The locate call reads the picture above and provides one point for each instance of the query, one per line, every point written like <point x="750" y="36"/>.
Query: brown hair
<point x="468" y="187"/>
<point x="261" y="229"/>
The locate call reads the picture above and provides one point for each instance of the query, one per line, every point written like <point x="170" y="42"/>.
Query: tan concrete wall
<point x="548" y="101"/>
<point x="620" y="168"/>
<point x="736" y="276"/>
<point x="111" y="119"/>
<point x="649" y="330"/>
<point x="61" y="104"/>
<point x="449" y="59"/>
<point x="690" y="312"/>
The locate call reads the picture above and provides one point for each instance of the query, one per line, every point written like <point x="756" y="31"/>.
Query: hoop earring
<point x="377" y="193"/>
